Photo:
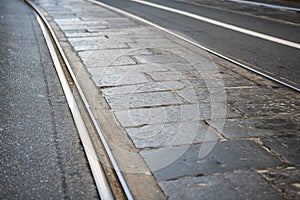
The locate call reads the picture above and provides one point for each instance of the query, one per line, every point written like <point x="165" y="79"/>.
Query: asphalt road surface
<point x="280" y="60"/>
<point x="41" y="156"/>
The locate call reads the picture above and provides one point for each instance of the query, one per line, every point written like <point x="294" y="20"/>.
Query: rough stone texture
<point x="259" y="127"/>
<point x="222" y="186"/>
<point x="287" y="147"/>
<point x="207" y="158"/>
<point x="180" y="113"/>
<point x="138" y="100"/>
<point x="145" y="87"/>
<point x="286" y="180"/>
<point x="174" y="100"/>
<point x="170" y="134"/>
<point x="261" y="102"/>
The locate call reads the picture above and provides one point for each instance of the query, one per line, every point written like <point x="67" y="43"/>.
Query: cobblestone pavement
<point x="205" y="128"/>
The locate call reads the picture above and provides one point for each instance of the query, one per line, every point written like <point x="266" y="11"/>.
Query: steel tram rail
<point x="99" y="176"/>
<point x="267" y="75"/>
<point x="101" y="181"/>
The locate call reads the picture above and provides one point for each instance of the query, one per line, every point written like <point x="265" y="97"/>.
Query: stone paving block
<point x="66" y="27"/>
<point x="100" y="46"/>
<point x="167" y="76"/>
<point x="68" y="21"/>
<point x="159" y="115"/>
<point x="170" y="134"/>
<point x="107" y="38"/>
<point x="261" y="102"/>
<point x="208" y="158"/>
<point x="167" y="58"/>
<point x="109" y="80"/>
<point x="261" y="127"/>
<point x="228" y="186"/>
<point x="103" y="58"/>
<point x="138" y="100"/>
<point x="124" y="70"/>
<point x="186" y="112"/>
<point x="204" y="95"/>
<point x="96" y="44"/>
<point x="286" y="180"/>
<point x="145" y="87"/>
<point x="177" y="51"/>
<point x="124" y="60"/>
<point x="63" y="15"/>
<point x="126" y="75"/>
<point x="213" y="73"/>
<point x="287" y="147"/>
<point x="118" y="22"/>
<point x="84" y="33"/>
<point x="152" y="43"/>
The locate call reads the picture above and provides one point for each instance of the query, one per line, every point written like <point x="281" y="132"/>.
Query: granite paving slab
<point x="208" y="158"/>
<point x="287" y="180"/>
<point x="226" y="186"/>
<point x="287" y="147"/>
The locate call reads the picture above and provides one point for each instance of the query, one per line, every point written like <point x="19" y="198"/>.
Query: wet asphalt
<point x="41" y="156"/>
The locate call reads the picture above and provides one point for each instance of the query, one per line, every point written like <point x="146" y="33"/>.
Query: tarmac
<point x="182" y="123"/>
<point x="41" y="156"/>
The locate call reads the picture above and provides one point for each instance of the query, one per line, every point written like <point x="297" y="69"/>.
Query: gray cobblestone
<point x="219" y="157"/>
<point x="287" y="180"/>
<point x="185" y="112"/>
<point x="287" y="147"/>
<point x="259" y="127"/>
<point x="170" y="134"/>
<point x="144" y="75"/>
<point x="138" y="100"/>
<point x="108" y="79"/>
<point x="152" y="43"/>
<point x="103" y="58"/>
<point x="167" y="58"/>
<point x="228" y="186"/>
<point x="145" y="87"/>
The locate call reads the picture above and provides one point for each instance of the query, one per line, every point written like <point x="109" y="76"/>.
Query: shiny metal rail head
<point x="96" y="168"/>
<point x="97" y="171"/>
<point x="264" y="74"/>
<point x="114" y="164"/>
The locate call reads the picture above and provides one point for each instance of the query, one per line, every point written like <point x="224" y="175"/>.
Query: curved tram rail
<point x="101" y="181"/>
<point x="265" y="74"/>
<point x="57" y="55"/>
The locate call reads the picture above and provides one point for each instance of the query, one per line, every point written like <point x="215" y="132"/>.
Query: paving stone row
<point x="202" y="129"/>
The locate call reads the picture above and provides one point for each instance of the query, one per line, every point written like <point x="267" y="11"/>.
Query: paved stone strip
<point x="203" y="129"/>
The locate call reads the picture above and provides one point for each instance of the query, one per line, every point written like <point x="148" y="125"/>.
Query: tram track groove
<point x="101" y="181"/>
<point x="85" y="101"/>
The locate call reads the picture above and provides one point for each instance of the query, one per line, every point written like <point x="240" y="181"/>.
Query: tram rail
<point x="58" y="55"/>
<point x="65" y="74"/>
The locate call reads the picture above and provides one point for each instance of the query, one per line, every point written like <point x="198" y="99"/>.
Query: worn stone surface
<point x="207" y="158"/>
<point x="170" y="134"/>
<point x="108" y="79"/>
<point x="184" y="112"/>
<point x="259" y="127"/>
<point x="145" y="87"/>
<point x="234" y="185"/>
<point x="261" y="102"/>
<point x="188" y="115"/>
<point x="139" y="100"/>
<point x="287" y="147"/>
<point x="287" y="180"/>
